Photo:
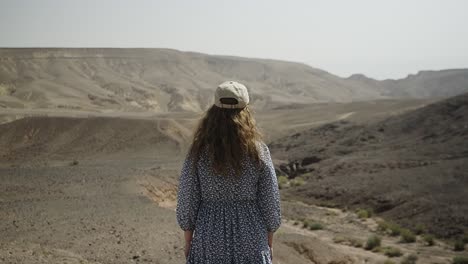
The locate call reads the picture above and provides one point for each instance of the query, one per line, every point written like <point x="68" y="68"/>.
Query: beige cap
<point x="231" y="94"/>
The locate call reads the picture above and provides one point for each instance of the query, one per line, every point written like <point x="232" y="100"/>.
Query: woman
<point x="228" y="200"/>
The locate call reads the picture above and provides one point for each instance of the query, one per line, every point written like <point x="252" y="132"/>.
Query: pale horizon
<point x="385" y="40"/>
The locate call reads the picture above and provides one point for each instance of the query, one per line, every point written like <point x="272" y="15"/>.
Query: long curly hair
<point x="228" y="134"/>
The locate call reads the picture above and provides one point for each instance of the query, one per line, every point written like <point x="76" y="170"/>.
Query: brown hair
<point x="228" y="134"/>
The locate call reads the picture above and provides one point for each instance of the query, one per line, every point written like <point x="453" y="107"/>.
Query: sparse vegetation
<point x="355" y="242"/>
<point x="363" y="213"/>
<point x="392" y="229"/>
<point x="311" y="225"/>
<point x="407" y="236"/>
<point x="382" y="226"/>
<point x="392" y="252"/>
<point x="74" y="163"/>
<point x="465" y="238"/>
<point x="348" y="241"/>
<point x="296" y="222"/>
<point x="327" y="204"/>
<point x="460" y="260"/>
<point x="315" y="226"/>
<point x="428" y="239"/>
<point x="410" y="259"/>
<point x="372" y="242"/>
<point x="459" y="245"/>
<point x="340" y="239"/>
<point x="395" y="229"/>
<point x="331" y="213"/>
<point x="420" y="229"/>
<point x="283" y="181"/>
<point x="389" y="262"/>
<point x="298" y="181"/>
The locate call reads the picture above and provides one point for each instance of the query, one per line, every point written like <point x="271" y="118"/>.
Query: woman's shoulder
<point x="262" y="147"/>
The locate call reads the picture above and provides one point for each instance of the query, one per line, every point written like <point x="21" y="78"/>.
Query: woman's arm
<point x="268" y="195"/>
<point x="270" y="244"/>
<point x="188" y="236"/>
<point x="270" y="239"/>
<point x="188" y="201"/>
<point x="188" y="241"/>
<point x="188" y="196"/>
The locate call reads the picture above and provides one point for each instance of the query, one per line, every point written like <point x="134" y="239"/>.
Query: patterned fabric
<point x="230" y="216"/>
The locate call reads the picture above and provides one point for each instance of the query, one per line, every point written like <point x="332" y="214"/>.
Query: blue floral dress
<point x="230" y="216"/>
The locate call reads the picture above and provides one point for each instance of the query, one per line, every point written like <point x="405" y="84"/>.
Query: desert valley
<point x="92" y="141"/>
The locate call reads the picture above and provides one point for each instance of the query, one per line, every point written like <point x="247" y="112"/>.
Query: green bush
<point x="372" y="242"/>
<point x="420" y="229"/>
<point x="298" y="181"/>
<point x="395" y="229"/>
<point x="428" y="239"/>
<point x="356" y="243"/>
<point x="382" y="226"/>
<point x="311" y="225"/>
<point x="459" y="245"/>
<point x="392" y="252"/>
<point x="460" y="260"/>
<point x="392" y="229"/>
<point x="407" y="236"/>
<point x="315" y="226"/>
<point x="377" y="250"/>
<point x="410" y="259"/>
<point x="283" y="181"/>
<point x="340" y="239"/>
<point x="362" y="213"/>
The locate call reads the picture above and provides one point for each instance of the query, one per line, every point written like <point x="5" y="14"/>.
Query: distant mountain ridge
<point x="443" y="83"/>
<point x="165" y="80"/>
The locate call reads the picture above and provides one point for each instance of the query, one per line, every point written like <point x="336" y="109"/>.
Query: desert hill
<point x="424" y="84"/>
<point x="410" y="168"/>
<point x="36" y="137"/>
<point x="41" y="139"/>
<point x="163" y="80"/>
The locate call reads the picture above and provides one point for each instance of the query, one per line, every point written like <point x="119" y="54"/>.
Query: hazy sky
<point x="380" y="38"/>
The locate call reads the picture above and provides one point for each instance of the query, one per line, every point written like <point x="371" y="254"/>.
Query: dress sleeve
<point x="268" y="196"/>
<point x="188" y="196"/>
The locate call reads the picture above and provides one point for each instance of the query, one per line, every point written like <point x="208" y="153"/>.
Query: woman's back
<point x="228" y="200"/>
<point x="230" y="215"/>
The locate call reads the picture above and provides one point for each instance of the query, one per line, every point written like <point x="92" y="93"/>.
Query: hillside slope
<point x="411" y="167"/>
<point x="39" y="140"/>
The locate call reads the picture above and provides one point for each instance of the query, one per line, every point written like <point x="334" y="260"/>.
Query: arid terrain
<point x="163" y="80"/>
<point x="411" y="168"/>
<point x="92" y="140"/>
